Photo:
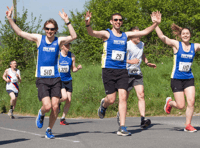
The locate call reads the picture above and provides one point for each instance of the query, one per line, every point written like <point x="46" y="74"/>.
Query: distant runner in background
<point x="66" y="64"/>
<point x="12" y="77"/>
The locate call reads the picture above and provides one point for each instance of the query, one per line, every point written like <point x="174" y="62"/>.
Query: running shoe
<point x="190" y="128"/>
<point x="39" y="120"/>
<point x="63" y="122"/>
<point x="10" y="114"/>
<point x="49" y="134"/>
<point x="167" y="107"/>
<point x="145" y="123"/>
<point x="118" y="119"/>
<point x="122" y="131"/>
<point x="101" y="110"/>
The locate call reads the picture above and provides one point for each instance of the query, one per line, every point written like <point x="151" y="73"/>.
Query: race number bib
<point x="47" y="71"/>
<point x="64" y="69"/>
<point x="118" y="55"/>
<point x="13" y="80"/>
<point x="134" y="70"/>
<point x="184" y="66"/>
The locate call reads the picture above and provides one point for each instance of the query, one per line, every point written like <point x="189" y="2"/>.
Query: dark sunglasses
<point x="117" y="20"/>
<point x="52" y="29"/>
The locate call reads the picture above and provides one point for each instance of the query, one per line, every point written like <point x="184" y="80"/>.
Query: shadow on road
<point x="12" y="141"/>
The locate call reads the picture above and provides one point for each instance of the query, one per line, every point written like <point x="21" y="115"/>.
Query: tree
<point x="15" y="47"/>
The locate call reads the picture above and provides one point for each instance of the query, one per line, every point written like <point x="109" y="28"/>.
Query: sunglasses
<point x="117" y="20"/>
<point x="52" y="29"/>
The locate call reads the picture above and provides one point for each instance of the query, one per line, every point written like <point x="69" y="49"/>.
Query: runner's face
<point x="50" y="30"/>
<point x="13" y="64"/>
<point x="116" y="21"/>
<point x="185" y="35"/>
<point x="66" y="47"/>
<point x="136" y="40"/>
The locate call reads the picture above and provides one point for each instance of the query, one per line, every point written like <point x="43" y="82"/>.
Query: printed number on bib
<point x="184" y="66"/>
<point x="64" y="69"/>
<point x="134" y="70"/>
<point x="118" y="55"/>
<point x="14" y="80"/>
<point x="47" y="71"/>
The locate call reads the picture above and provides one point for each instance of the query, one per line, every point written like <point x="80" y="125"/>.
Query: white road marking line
<point x="9" y="129"/>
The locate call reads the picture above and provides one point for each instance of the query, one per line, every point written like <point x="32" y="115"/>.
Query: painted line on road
<point x="9" y="129"/>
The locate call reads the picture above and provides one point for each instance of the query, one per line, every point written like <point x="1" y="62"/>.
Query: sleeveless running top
<point x="134" y="51"/>
<point x="182" y="63"/>
<point x="47" y="59"/>
<point x="114" y="52"/>
<point x="13" y="84"/>
<point x="65" y="64"/>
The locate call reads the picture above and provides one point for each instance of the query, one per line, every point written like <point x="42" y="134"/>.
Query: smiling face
<point x="185" y="35"/>
<point x="116" y="21"/>
<point x="135" y="40"/>
<point x="50" y="30"/>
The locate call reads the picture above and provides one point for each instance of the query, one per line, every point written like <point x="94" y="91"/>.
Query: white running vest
<point x="13" y="85"/>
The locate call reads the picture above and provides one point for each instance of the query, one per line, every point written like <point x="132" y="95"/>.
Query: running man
<point x="135" y="51"/>
<point x="48" y="78"/>
<point x="182" y="79"/>
<point x="12" y="77"/>
<point x="114" y="72"/>
<point x="66" y="63"/>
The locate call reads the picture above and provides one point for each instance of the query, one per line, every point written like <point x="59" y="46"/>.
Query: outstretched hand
<point x="79" y="67"/>
<point x="156" y="17"/>
<point x="152" y="65"/>
<point x="87" y="17"/>
<point x="64" y="16"/>
<point x="9" y="12"/>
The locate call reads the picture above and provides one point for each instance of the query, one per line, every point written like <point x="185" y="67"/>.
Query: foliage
<point x="135" y="13"/>
<point x="15" y="47"/>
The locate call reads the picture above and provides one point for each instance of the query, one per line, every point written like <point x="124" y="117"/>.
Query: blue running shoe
<point x="39" y="120"/>
<point x="49" y="134"/>
<point x="101" y="110"/>
<point x="122" y="131"/>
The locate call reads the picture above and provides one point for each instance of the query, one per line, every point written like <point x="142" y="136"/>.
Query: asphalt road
<point x="164" y="132"/>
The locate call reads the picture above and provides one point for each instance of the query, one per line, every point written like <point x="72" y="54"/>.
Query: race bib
<point x="184" y="66"/>
<point x="134" y="70"/>
<point x="14" y="80"/>
<point x="64" y="69"/>
<point x="118" y="55"/>
<point x="47" y="71"/>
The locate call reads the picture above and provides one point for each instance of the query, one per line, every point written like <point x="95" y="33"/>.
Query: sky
<point x="46" y="8"/>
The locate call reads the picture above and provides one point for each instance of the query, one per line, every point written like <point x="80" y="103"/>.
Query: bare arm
<point x="5" y="74"/>
<point x="197" y="47"/>
<point x="133" y="61"/>
<point x="74" y="68"/>
<point x="146" y="62"/>
<point x="18" y="31"/>
<point x="73" y="35"/>
<point x="98" y="34"/>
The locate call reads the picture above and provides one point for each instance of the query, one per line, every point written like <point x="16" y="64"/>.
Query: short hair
<point x="51" y="21"/>
<point x="115" y="14"/>
<point x="134" y="28"/>
<point x="12" y="61"/>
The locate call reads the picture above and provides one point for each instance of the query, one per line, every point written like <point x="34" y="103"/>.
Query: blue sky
<point x="46" y="8"/>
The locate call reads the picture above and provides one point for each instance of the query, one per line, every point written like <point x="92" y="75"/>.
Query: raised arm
<point x="73" y="36"/>
<point x="98" y="34"/>
<point x="18" y="31"/>
<point x="156" y="19"/>
<point x="74" y="68"/>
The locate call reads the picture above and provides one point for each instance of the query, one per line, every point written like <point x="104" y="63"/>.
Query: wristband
<point x="87" y="25"/>
<point x="68" y="23"/>
<point x="147" y="63"/>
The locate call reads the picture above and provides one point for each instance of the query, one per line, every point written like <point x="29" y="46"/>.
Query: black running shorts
<point x="178" y="85"/>
<point x="114" y="79"/>
<point x="48" y="87"/>
<point x="67" y="85"/>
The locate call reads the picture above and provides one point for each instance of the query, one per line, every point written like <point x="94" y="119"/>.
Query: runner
<point x="114" y="72"/>
<point x="135" y="50"/>
<point x="48" y="78"/>
<point x="182" y="79"/>
<point x="12" y="77"/>
<point x="66" y="62"/>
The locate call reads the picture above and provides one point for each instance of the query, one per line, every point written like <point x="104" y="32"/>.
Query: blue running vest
<point x="65" y="64"/>
<point x="182" y="63"/>
<point x="47" y="59"/>
<point x="114" y="52"/>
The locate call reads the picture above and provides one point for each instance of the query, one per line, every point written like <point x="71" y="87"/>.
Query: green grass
<point x="88" y="90"/>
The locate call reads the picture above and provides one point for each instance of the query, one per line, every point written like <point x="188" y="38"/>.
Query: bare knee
<point x="111" y="100"/>
<point x="180" y="106"/>
<point x="140" y="96"/>
<point x="47" y="107"/>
